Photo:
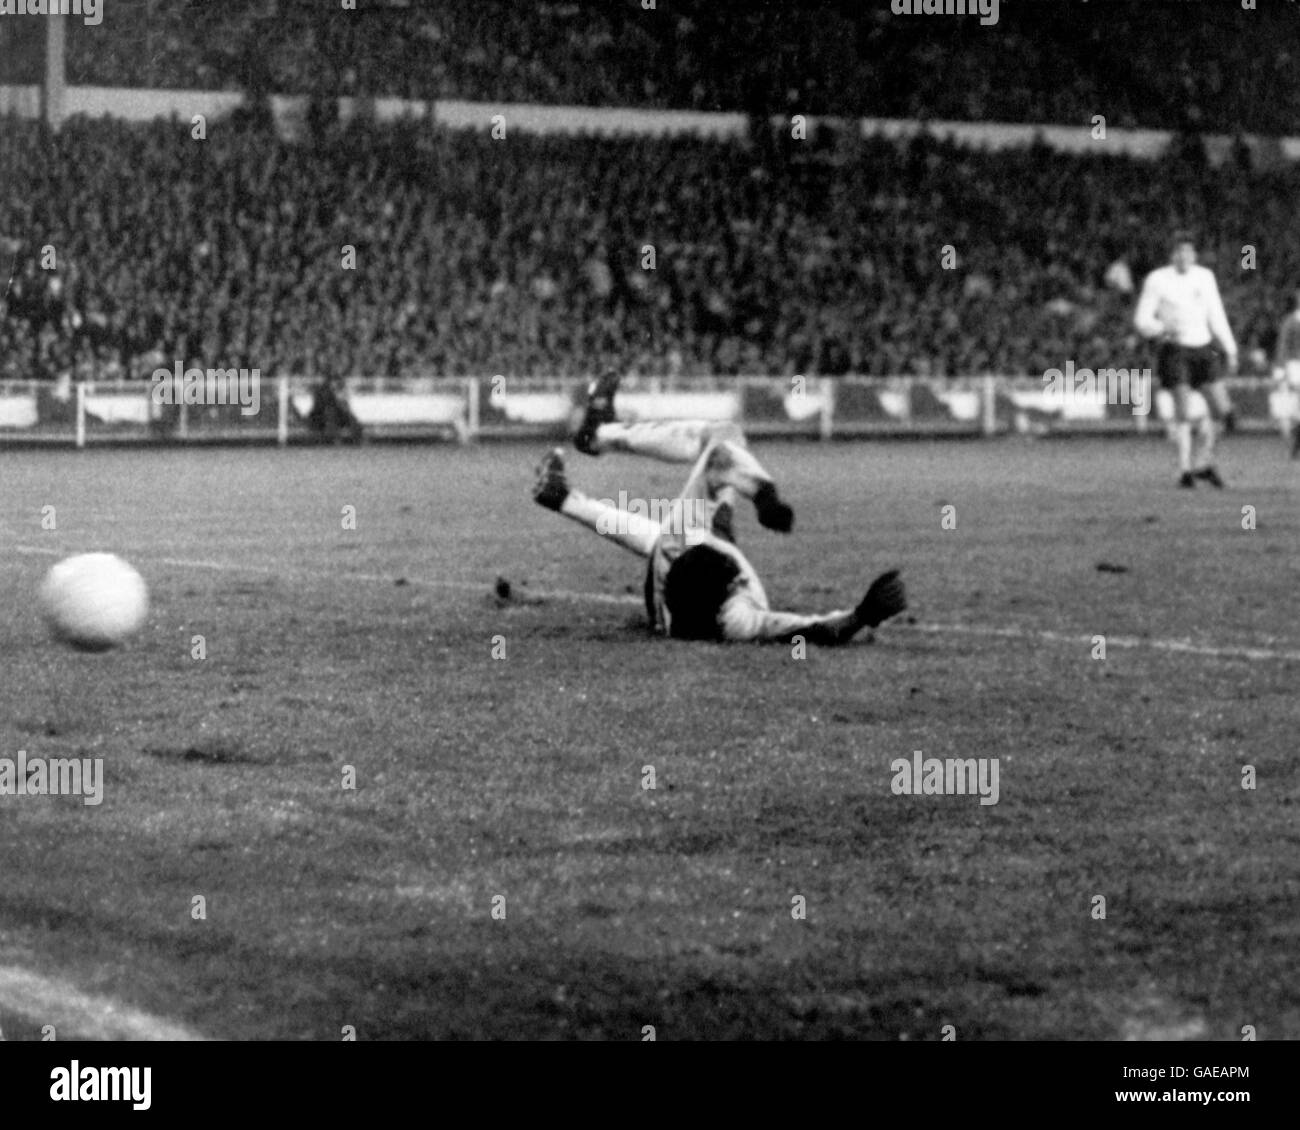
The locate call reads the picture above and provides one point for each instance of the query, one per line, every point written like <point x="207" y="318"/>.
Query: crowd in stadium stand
<point x="532" y="256"/>
<point x="1220" y="68"/>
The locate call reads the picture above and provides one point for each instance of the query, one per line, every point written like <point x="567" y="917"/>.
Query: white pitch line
<point x="81" y="1016"/>
<point x="374" y="578"/>
<point x="1136" y="643"/>
<point x="1180" y="647"/>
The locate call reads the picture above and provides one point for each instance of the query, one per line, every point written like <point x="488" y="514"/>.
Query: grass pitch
<point x="516" y="782"/>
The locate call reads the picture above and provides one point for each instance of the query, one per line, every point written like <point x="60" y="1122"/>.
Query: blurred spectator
<point x="331" y="416"/>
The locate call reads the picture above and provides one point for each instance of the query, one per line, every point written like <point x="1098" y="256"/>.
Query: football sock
<point x="772" y="512"/>
<point x="632" y="531"/>
<point x="669" y="441"/>
<point x="834" y="630"/>
<point x="1207" y="432"/>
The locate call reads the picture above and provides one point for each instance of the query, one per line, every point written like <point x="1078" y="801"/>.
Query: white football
<point x="94" y="601"/>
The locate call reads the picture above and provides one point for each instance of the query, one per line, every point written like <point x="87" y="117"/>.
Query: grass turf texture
<point x="521" y="776"/>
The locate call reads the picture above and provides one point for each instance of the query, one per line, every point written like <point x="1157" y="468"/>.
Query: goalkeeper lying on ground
<point x="699" y="586"/>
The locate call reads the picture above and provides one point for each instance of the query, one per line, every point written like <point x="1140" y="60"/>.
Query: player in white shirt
<point x="1181" y="309"/>
<point x="1286" y="370"/>
<point x="699" y="585"/>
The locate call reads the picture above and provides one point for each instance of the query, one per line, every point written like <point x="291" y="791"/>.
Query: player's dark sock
<point x="600" y="410"/>
<point x="1186" y="479"/>
<point x="552" y="487"/>
<point x="885" y="598"/>
<point x="773" y="514"/>
<point x="1229" y="421"/>
<point x="1295" y="442"/>
<point x="1211" y="476"/>
<point x="722" y="518"/>
<point x="833" y="632"/>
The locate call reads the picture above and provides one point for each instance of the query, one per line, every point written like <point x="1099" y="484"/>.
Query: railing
<point x="494" y="407"/>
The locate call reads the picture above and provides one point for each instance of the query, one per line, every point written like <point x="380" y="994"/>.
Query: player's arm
<point x="1146" y="318"/>
<point x="1219" y="325"/>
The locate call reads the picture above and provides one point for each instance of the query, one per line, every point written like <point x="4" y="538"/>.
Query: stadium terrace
<point x="91" y="11"/>
<point x="987" y="10"/>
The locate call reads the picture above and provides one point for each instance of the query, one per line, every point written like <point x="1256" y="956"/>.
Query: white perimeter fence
<point x="277" y="410"/>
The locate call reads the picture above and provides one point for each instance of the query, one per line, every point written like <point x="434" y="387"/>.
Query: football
<point x="94" y="601"/>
